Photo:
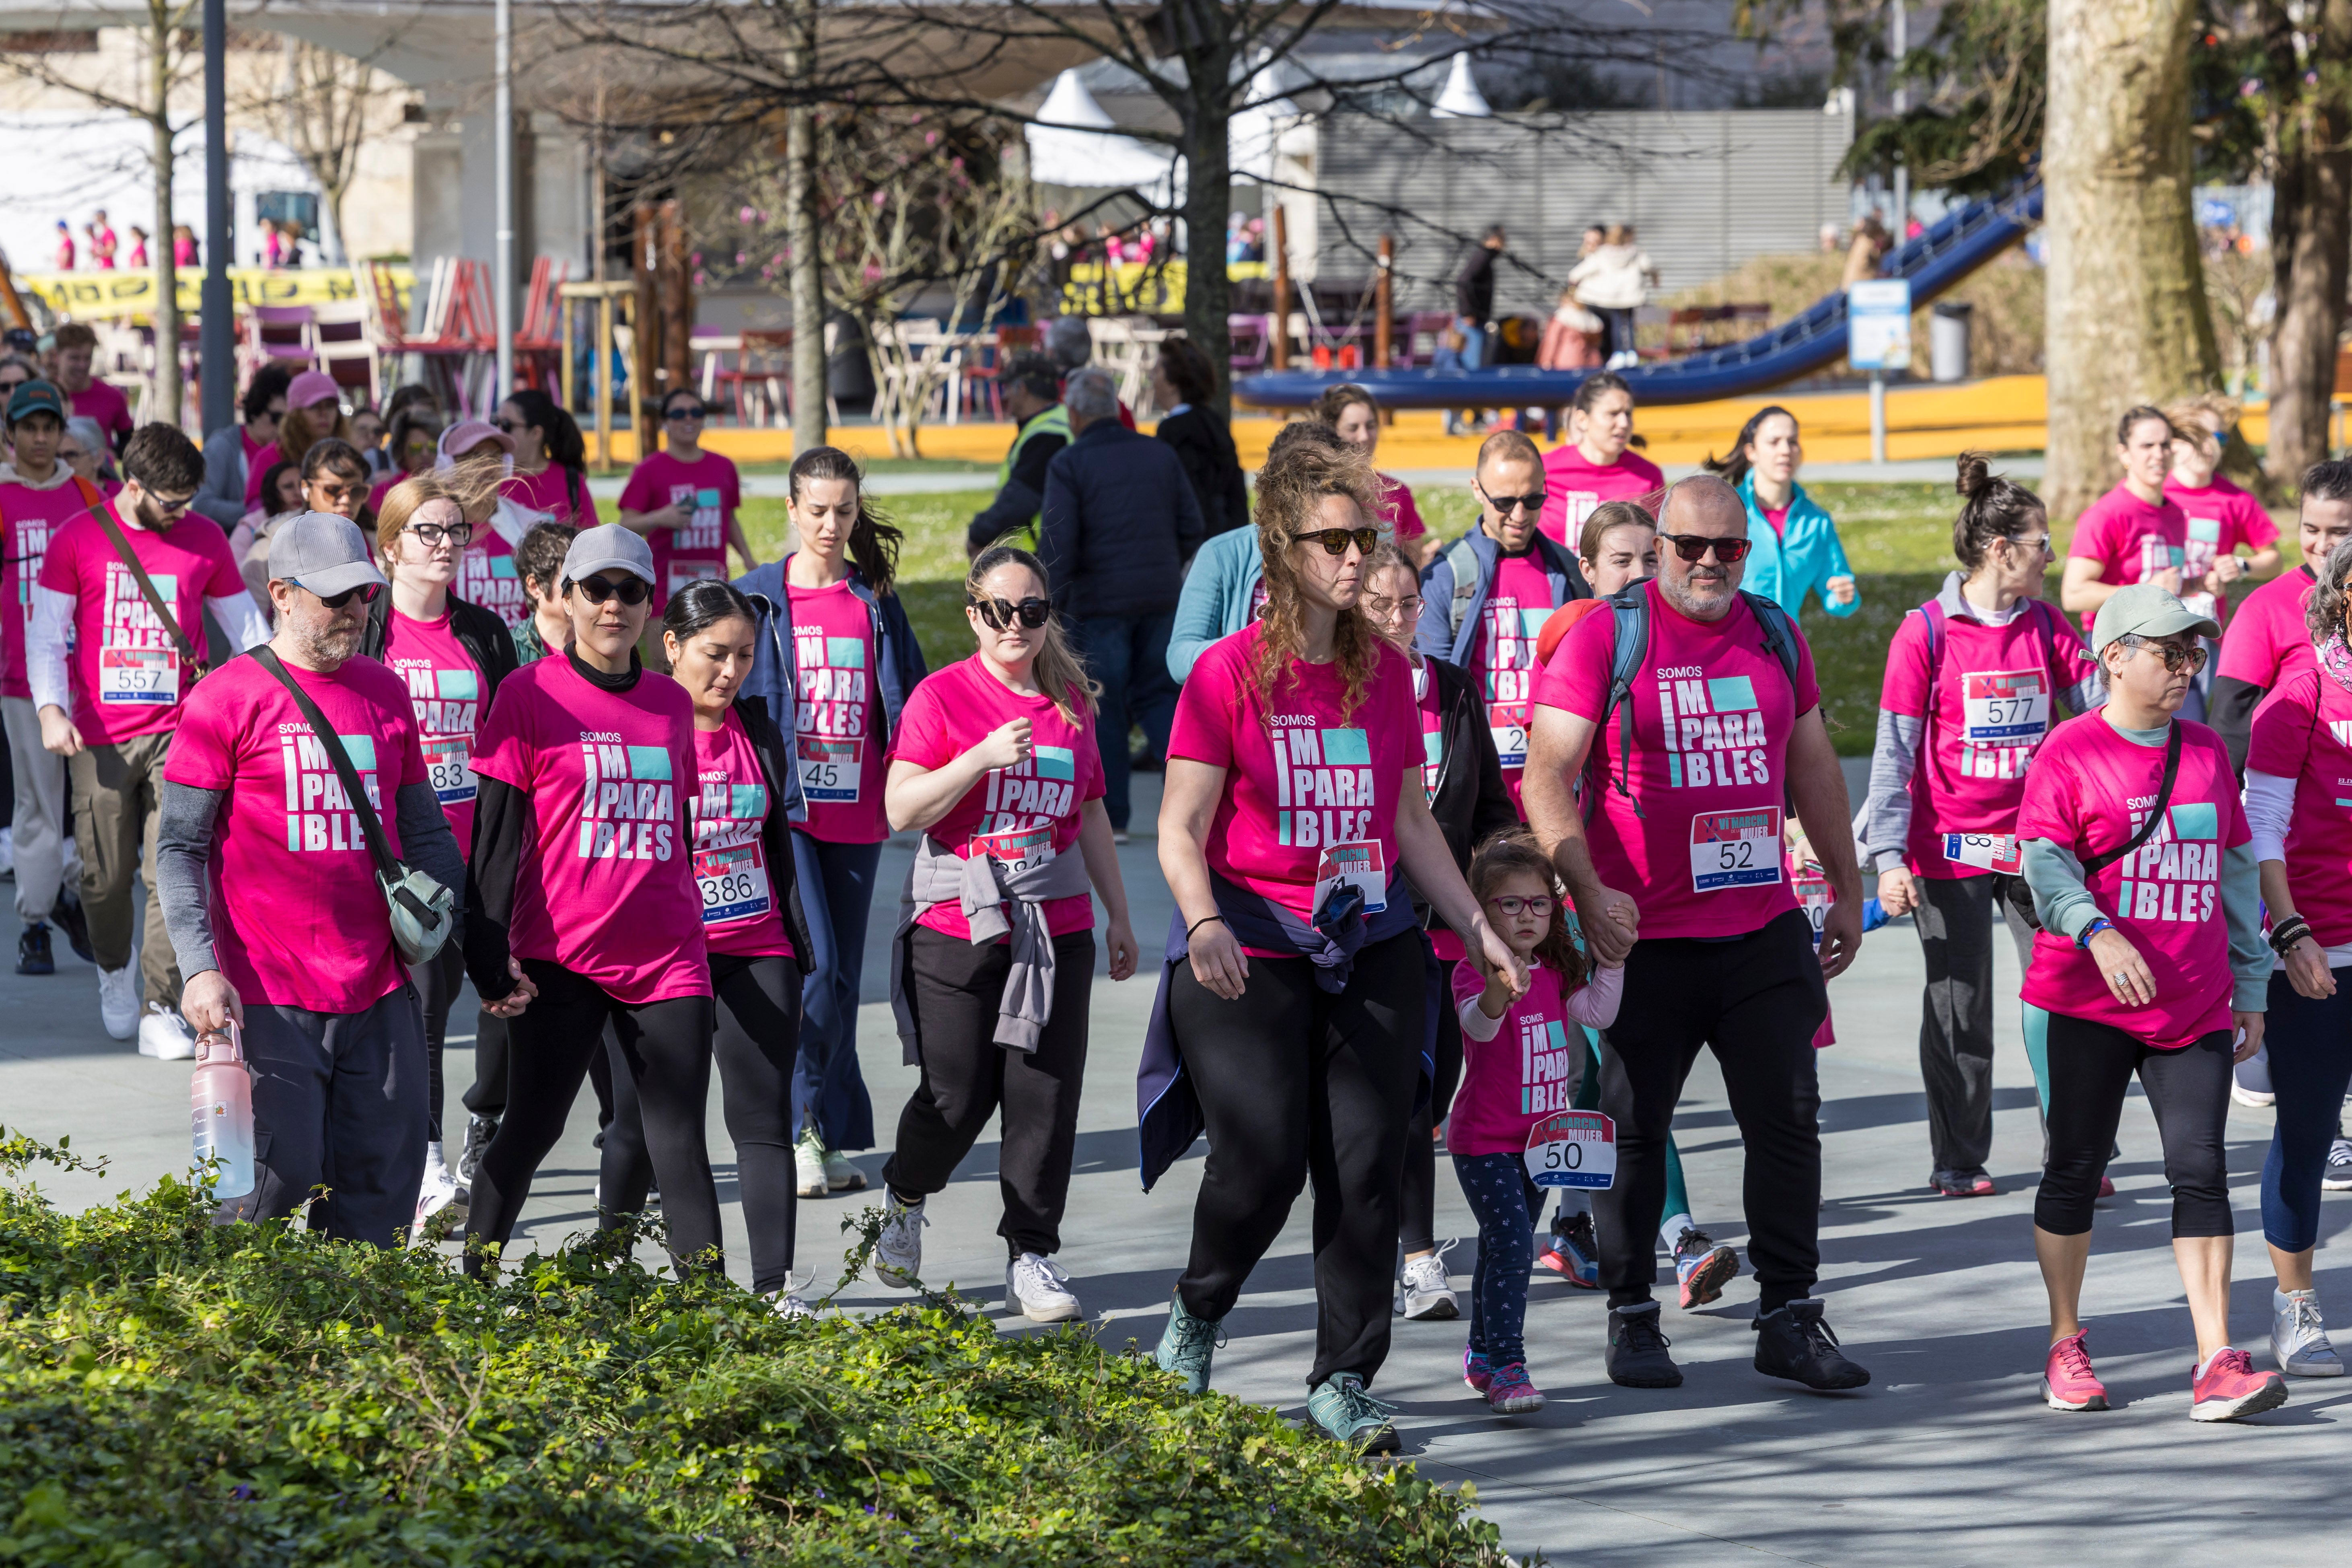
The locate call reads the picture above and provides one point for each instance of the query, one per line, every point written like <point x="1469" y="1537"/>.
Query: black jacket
<point x="1206" y="445"/>
<point x="1473" y="285"/>
<point x="481" y="633"/>
<point x="1120" y="522"/>
<point x="1471" y="802"/>
<point x="776" y="833"/>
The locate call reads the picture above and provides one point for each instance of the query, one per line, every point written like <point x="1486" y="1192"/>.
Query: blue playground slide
<point x="1965" y="239"/>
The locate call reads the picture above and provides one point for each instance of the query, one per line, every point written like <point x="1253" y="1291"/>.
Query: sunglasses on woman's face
<point x="630" y="591"/>
<point x="1030" y="612"/>
<point x="1691" y="546"/>
<point x="1335" y="540"/>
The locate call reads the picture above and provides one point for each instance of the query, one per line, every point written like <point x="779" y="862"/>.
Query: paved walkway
<point x="1948" y="1458"/>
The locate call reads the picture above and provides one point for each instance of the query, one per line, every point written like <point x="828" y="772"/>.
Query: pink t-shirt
<point x="1502" y="658"/>
<point x="2131" y="540"/>
<point x="1030" y="812"/>
<point x="1573" y="488"/>
<point x="103" y="401"/>
<point x="2089" y="790"/>
<point x="297" y="919"/>
<point x="1447" y="946"/>
<point x="29" y="519"/>
<point x="2221" y="518"/>
<point x="549" y="494"/>
<point x="1778" y="516"/>
<point x="1530" y="1070"/>
<point x="707" y="488"/>
<point x="127" y="679"/>
<point x="834" y="719"/>
<point x="2299" y="732"/>
<point x="1996" y="695"/>
<point x="258" y="465"/>
<point x="1310" y="793"/>
<point x="2268" y="640"/>
<point x="741" y="913"/>
<point x="607" y="888"/>
<point x="487" y="576"/>
<point x="445" y="687"/>
<point x="1712" y="714"/>
<point x="1404" y="517"/>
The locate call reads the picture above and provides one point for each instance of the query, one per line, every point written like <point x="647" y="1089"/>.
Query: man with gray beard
<point x="270" y="892"/>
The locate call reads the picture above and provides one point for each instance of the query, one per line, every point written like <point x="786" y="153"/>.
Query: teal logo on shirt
<point x="1432" y="746"/>
<point x="2197" y="820"/>
<point x="749" y="803"/>
<point x="2205" y="529"/>
<point x="502" y="566"/>
<point x="705" y="497"/>
<point x="1346" y="749"/>
<point x="648" y="763"/>
<point x="1532" y="621"/>
<point x="1056" y="762"/>
<point x="844" y="653"/>
<point x="457" y="685"/>
<point x="1732" y="694"/>
<point x="360" y="749"/>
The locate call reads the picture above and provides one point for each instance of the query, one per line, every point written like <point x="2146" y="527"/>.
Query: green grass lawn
<point x="1898" y="537"/>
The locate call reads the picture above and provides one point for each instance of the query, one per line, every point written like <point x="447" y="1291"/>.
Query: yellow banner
<point x="83" y="295"/>
<point x="1138" y="286"/>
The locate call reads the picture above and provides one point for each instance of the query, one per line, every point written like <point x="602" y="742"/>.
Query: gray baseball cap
<point x="2145" y="610"/>
<point x="608" y="547"/>
<point x="324" y="553"/>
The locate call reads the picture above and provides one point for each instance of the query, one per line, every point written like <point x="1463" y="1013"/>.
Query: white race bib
<point x="1364" y="864"/>
<point x="1987" y="851"/>
<point x="1510" y="739"/>
<point x="138" y="676"/>
<point x="831" y="767"/>
<point x="1572" y="1148"/>
<point x="733" y="883"/>
<point x="2004" y="707"/>
<point x="1016" y="849"/>
<point x="449" y="762"/>
<point x="1735" y="849"/>
<point x="1814" y="897"/>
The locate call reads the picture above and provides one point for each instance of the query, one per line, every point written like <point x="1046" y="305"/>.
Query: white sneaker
<point x="840" y="1175"/>
<point x="808" y="1165"/>
<point x="118" y="1000"/>
<point x="163" y="1035"/>
<point x="1037" y="1285"/>
<point x="2299" y="1337"/>
<point x="789" y="1303"/>
<point x="899" y="1250"/>
<point x="2249" y="1084"/>
<point x="1426" y="1294"/>
<point x="2339" y="1178"/>
<point x="440" y="1190"/>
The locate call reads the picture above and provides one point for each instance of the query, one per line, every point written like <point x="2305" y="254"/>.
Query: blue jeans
<point x="1506" y="1204"/>
<point x="2311" y="1063"/>
<point x="1129" y="654"/>
<point x="1474" y="342"/>
<point x="837" y="888"/>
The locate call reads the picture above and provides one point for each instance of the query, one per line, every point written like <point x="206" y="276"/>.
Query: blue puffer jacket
<point x="1800" y="559"/>
<point x="1120" y="522"/>
<point x="897" y="660"/>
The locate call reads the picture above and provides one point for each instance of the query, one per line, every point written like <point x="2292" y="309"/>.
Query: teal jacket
<point x="1799" y="560"/>
<point x="1215" y="602"/>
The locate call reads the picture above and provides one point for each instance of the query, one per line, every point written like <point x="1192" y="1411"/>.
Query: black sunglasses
<point x="687" y="416"/>
<point x="1508" y="504"/>
<point x="1335" y="540"/>
<point x="1691" y="546"/>
<point x="630" y="591"/>
<point x="1030" y="612"/>
<point x="365" y="593"/>
<point x="2175" y="658"/>
<point x="506" y="424"/>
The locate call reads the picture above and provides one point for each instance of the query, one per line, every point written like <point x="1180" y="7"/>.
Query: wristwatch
<point x="2098" y="923"/>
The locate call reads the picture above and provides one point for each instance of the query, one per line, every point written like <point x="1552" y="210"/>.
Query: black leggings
<point x="756" y="1042"/>
<point x="1417" y="1194"/>
<point x="2091" y="1069"/>
<point x="439" y="980"/>
<point x="665" y="1048"/>
<point x="1294" y="1082"/>
<point x="957" y="989"/>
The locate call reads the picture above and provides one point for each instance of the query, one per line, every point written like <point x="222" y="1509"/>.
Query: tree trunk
<point x="809" y="369"/>
<point x="2311" y="227"/>
<point x="330" y="226"/>
<point x="167" y="269"/>
<point x="1208" y="203"/>
<point x="2127" y="321"/>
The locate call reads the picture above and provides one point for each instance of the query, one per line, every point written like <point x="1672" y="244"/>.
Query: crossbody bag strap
<point x="390" y="869"/>
<point x="2156" y="813"/>
<point x="130" y="557"/>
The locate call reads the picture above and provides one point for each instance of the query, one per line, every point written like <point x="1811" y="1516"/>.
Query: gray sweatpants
<point x="45" y="851"/>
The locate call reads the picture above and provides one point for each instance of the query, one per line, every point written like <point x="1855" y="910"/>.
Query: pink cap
<point x="312" y="386"/>
<point x="467" y="434"/>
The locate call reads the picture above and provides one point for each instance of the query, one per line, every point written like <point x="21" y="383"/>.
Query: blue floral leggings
<point x="1506" y="1204"/>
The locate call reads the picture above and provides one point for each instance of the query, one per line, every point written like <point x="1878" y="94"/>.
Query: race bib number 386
<point x="1735" y="849"/>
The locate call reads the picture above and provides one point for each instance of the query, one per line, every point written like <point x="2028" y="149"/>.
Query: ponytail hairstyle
<point x="1504" y="856"/>
<point x="873" y="539"/>
<point x="1290" y="491"/>
<point x="703" y="604"/>
<point x="1060" y="674"/>
<point x="566" y="447"/>
<point x="2134" y="417"/>
<point x="1735" y="467"/>
<point x="1992" y="507"/>
<point x="1588" y="390"/>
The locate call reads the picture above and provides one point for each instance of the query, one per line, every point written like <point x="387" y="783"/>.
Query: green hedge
<point x="171" y="1393"/>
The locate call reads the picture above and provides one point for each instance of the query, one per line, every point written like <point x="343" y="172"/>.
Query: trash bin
<point x="1947" y="340"/>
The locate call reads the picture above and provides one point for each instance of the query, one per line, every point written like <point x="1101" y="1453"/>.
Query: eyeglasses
<point x="1512" y="904"/>
<point x="997" y="613"/>
<point x="1691" y="546"/>
<point x="2175" y="658"/>
<point x="1408" y="603"/>
<point x="1507" y="505"/>
<point x="2036" y="544"/>
<point x="365" y="594"/>
<point x="630" y="591"/>
<point x="1335" y="540"/>
<point x="433" y="534"/>
<point x="170" y="506"/>
<point x="686" y="416"/>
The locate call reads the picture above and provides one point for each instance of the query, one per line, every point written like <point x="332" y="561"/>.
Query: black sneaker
<point x="75" y="924"/>
<point x="1795" y="1343"/>
<point x="33" y="951"/>
<point x="480" y="1131"/>
<point x="1637" y="1349"/>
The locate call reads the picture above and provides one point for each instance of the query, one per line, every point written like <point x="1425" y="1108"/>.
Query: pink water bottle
<point x="220" y="1099"/>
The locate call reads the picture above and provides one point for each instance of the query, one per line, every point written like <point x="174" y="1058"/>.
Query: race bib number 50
<point x="1735" y="849"/>
<point x="1572" y="1148"/>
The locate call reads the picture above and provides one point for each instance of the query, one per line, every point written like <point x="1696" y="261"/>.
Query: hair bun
<point x="1975" y="475"/>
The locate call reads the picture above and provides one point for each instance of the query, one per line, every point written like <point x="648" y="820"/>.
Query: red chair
<point x="987" y="377"/>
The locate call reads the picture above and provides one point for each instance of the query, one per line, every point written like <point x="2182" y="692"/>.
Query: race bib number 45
<point x="1572" y="1148"/>
<point x="1735" y="849"/>
<point x="2004" y="707"/>
<point x="831" y="767"/>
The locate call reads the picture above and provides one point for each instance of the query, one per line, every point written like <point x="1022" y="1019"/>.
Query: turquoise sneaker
<point x="1341" y="1407"/>
<point x="1187" y="1346"/>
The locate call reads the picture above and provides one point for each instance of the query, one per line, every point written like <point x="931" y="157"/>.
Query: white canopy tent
<point x="1077" y="146"/>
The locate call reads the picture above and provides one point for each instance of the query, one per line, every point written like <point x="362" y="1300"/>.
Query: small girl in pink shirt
<point x="1523" y="1060"/>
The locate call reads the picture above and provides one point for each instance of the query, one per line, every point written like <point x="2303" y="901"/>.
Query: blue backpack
<point x="1631" y="646"/>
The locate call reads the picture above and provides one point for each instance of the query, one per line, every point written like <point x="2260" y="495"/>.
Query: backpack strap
<point x="1781" y="637"/>
<point x="1462" y="560"/>
<point x="1629" y="609"/>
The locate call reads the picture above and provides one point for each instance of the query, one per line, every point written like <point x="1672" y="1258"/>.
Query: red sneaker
<point x="2067" y="1381"/>
<point x="2228" y="1387"/>
<point x="2107" y="1186"/>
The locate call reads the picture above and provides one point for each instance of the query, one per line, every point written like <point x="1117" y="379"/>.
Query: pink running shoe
<point x="1511" y="1393"/>
<point x="2067" y="1381"/>
<point x="1475" y="1372"/>
<point x="2228" y="1387"/>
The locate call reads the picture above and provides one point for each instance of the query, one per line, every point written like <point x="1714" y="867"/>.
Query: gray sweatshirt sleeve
<point x="2242" y="906"/>
<point x="427" y="845"/>
<point x="2060" y="899"/>
<point x="1887" y="809"/>
<point x="184" y="845"/>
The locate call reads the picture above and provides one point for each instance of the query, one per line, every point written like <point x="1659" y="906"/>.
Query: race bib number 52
<point x="1735" y="849"/>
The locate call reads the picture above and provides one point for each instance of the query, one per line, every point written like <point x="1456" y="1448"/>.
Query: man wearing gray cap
<point x="270" y="892"/>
